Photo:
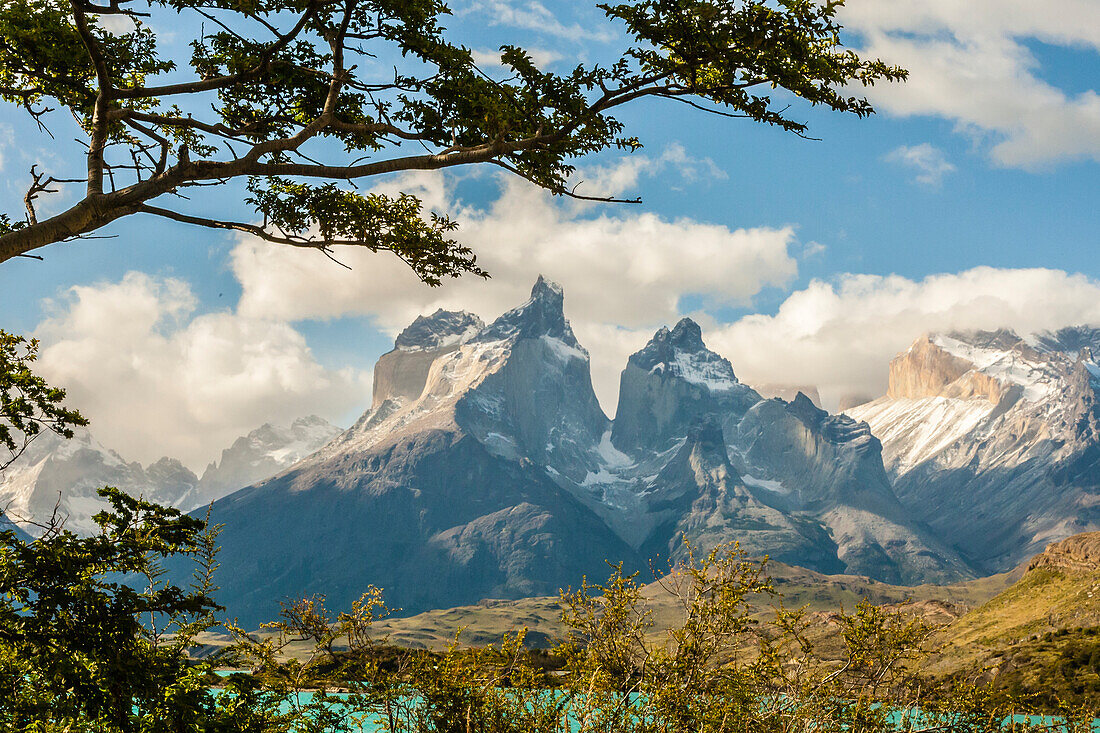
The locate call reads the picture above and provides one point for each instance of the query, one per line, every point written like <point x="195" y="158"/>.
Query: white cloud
<point x="541" y="57"/>
<point x="156" y="379"/>
<point x="841" y="336"/>
<point x="968" y="63"/>
<point x="622" y="268"/>
<point x="117" y="24"/>
<point x="928" y="161"/>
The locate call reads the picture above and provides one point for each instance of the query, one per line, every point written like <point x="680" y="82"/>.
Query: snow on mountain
<point x="54" y="472"/>
<point x="993" y="439"/>
<point x="447" y="490"/>
<point x="263" y="452"/>
<point x="67" y="473"/>
<point x="486" y="468"/>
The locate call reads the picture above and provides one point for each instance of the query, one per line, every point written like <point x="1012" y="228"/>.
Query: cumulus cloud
<point x="841" y="335"/>
<point x="928" y="161"/>
<point x="968" y="63"/>
<point x="542" y="57"/>
<point x="622" y="270"/>
<point x="155" y="378"/>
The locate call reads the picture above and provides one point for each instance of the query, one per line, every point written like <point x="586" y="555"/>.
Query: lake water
<point x="377" y="723"/>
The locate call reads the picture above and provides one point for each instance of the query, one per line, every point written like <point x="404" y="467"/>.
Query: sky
<point x="971" y="200"/>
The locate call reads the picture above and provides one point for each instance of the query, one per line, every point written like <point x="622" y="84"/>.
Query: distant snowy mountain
<point x="994" y="439"/>
<point x="486" y="468"/>
<point x="67" y="473"/>
<point x="262" y="453"/>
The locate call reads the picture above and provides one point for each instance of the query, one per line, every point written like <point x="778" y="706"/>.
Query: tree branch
<point x="99" y="117"/>
<point x="221" y="82"/>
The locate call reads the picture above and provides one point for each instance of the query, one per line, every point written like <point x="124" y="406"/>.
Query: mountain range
<point x="65" y="474"/>
<point x="993" y="439"/>
<point x="486" y="468"/>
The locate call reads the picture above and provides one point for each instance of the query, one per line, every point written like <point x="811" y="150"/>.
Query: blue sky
<point x="970" y="201"/>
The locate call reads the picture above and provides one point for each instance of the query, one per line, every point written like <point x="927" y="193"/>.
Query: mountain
<point x="67" y="473"/>
<point x="993" y="440"/>
<point x="264" y="452"/>
<point x="485" y="468"/>
<point x="434" y="493"/>
<point x="55" y="472"/>
<point x="783" y="478"/>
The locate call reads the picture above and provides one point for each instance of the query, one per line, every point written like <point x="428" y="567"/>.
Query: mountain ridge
<point x="994" y="439"/>
<point x="495" y="471"/>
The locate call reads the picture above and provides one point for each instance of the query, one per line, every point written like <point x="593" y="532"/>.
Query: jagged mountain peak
<point x="687" y="336"/>
<point x="681" y="353"/>
<point x="805" y="410"/>
<point x="542" y="315"/>
<point x="441" y="329"/>
<point x="1001" y="339"/>
<point x="263" y="452"/>
<point x="991" y="437"/>
<point x="1071" y="340"/>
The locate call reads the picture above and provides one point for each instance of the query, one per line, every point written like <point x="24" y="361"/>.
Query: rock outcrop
<point x="1079" y="553"/>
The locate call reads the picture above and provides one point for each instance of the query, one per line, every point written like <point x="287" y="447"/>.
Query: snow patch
<point x="562" y="350"/>
<point x="706" y="369"/>
<point x="1008" y="367"/>
<point x="612" y="456"/>
<point x="776" y="487"/>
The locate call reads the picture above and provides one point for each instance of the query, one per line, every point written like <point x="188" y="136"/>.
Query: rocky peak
<point x="440" y="329"/>
<point x="924" y="370"/>
<point x="671" y="383"/>
<point x="681" y="353"/>
<point x="542" y="315"/>
<point x="263" y="452"/>
<point x="805" y="410"/>
<point x="1072" y="340"/>
<point x="170" y="470"/>
<point x="1001" y="339"/>
<point x="687" y="336"/>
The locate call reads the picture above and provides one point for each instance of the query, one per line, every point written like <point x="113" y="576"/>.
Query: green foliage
<point x="268" y="79"/>
<point x="83" y="645"/>
<point x="1052" y="670"/>
<point x="28" y="405"/>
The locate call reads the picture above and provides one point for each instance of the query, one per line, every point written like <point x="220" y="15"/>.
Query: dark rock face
<point x="440" y="329"/>
<point x="497" y="475"/>
<point x="542" y="315"/>
<point x="669" y="385"/>
<point x="707" y="503"/>
<point x="436" y="520"/>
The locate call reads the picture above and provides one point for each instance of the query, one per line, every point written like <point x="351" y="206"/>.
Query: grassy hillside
<point x="486" y="622"/>
<point x="1041" y="635"/>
